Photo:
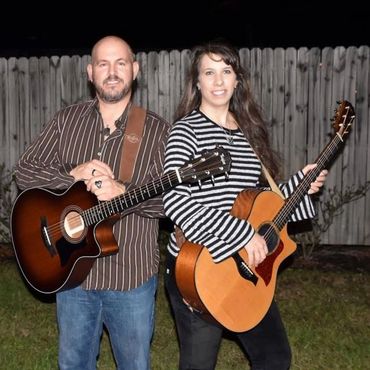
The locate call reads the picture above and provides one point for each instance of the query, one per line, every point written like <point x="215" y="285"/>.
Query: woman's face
<point x="216" y="81"/>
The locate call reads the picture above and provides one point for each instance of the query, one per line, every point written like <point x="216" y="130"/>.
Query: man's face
<point x="113" y="71"/>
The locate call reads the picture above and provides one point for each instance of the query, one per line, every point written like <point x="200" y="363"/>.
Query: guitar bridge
<point x="46" y="237"/>
<point x="244" y="270"/>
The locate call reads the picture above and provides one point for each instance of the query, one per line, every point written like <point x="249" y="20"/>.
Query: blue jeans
<point x="128" y="317"/>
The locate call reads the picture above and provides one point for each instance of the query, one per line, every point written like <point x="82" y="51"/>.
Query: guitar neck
<point x="207" y="164"/>
<point x="322" y="161"/>
<point x="130" y="199"/>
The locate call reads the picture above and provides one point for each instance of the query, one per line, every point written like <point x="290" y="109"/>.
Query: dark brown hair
<point x="246" y="111"/>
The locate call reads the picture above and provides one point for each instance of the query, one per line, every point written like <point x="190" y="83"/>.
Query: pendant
<point x="228" y="136"/>
<point x="230" y="140"/>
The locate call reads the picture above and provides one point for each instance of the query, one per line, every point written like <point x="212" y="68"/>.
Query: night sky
<point x="58" y="29"/>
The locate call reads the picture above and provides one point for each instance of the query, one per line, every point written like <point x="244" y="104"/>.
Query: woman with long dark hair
<point x="218" y="109"/>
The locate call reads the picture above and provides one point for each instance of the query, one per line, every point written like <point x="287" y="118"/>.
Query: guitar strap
<point x="271" y="182"/>
<point x="269" y="178"/>
<point x="131" y="143"/>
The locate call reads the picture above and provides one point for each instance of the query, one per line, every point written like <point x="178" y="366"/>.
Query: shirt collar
<point x="93" y="105"/>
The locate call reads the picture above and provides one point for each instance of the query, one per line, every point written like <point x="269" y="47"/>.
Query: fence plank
<point x="35" y="101"/>
<point x="361" y="132"/>
<point x="46" y="89"/>
<point x="4" y="123"/>
<point x="141" y="95"/>
<point x="153" y="84"/>
<point x="348" y="156"/>
<point x="278" y="100"/>
<point x="164" y="84"/>
<point x="267" y="83"/>
<point x="184" y="67"/>
<point x="174" y="83"/>
<point x="290" y="112"/>
<point x="300" y="137"/>
<point x="256" y="73"/>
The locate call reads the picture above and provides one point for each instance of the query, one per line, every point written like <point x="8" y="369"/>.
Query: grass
<point x="327" y="316"/>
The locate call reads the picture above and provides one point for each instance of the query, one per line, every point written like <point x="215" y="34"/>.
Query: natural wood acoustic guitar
<point x="230" y="292"/>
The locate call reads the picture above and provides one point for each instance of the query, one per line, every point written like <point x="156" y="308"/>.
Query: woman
<point x="217" y="108"/>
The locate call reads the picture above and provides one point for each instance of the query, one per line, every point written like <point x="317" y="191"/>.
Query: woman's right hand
<point x="257" y="250"/>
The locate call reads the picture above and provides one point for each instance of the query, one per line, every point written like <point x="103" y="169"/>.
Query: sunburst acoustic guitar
<point x="57" y="237"/>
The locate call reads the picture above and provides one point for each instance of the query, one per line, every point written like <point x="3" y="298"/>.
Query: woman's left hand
<point x="319" y="181"/>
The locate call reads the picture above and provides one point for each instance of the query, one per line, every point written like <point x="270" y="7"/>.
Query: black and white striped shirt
<point x="75" y="136"/>
<point x="203" y="212"/>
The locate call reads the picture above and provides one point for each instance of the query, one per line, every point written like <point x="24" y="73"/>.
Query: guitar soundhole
<point x="74" y="229"/>
<point x="271" y="236"/>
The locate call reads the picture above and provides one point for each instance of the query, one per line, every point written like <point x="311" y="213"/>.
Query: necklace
<point x="228" y="135"/>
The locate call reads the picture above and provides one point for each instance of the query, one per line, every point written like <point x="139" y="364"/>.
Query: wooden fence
<point x="297" y="88"/>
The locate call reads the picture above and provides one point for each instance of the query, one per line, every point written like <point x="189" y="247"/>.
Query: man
<point x="84" y="142"/>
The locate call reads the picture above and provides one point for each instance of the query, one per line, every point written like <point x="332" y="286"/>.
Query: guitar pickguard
<point x="266" y="268"/>
<point x="66" y="249"/>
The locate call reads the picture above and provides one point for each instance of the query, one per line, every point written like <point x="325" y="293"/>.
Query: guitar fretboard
<point x="322" y="161"/>
<point x="125" y="201"/>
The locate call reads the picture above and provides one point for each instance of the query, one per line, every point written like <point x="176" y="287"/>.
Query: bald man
<point x="84" y="142"/>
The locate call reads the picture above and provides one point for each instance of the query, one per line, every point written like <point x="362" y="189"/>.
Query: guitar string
<point x="331" y="149"/>
<point x="307" y="180"/>
<point x="118" y="201"/>
<point x="102" y="207"/>
<point x="153" y="186"/>
<point x="324" y="158"/>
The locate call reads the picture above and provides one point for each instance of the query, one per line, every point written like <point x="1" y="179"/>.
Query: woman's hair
<point x="247" y="112"/>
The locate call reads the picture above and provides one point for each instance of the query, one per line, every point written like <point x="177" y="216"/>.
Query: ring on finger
<point x="98" y="184"/>
<point x="93" y="172"/>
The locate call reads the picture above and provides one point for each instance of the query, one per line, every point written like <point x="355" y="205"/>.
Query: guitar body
<point x="65" y="261"/>
<point x="218" y="289"/>
<point x="57" y="236"/>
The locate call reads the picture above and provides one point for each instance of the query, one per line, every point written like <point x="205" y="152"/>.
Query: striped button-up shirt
<point x="74" y="136"/>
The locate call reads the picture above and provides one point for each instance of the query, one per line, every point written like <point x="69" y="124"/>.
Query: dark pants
<point x="266" y="344"/>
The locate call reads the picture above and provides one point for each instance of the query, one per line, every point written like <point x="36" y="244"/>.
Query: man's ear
<point x="135" y="67"/>
<point x="89" y="72"/>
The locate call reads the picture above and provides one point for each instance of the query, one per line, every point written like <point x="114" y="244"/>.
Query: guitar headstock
<point x="211" y="162"/>
<point x="344" y="117"/>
